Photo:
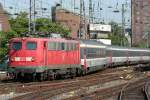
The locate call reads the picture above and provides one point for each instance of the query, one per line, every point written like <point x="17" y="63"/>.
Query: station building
<point x="100" y="32"/>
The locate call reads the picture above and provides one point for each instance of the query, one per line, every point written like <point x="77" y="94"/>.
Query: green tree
<point x="20" y="23"/>
<point x="116" y="35"/>
<point x="142" y="44"/>
<point x="5" y="37"/>
<point x="46" y="25"/>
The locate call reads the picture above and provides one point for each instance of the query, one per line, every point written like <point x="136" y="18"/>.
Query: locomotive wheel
<point x="52" y="76"/>
<point x="34" y="77"/>
<point x="84" y="72"/>
<point x="40" y="77"/>
<point x="16" y="77"/>
<point x="78" y="72"/>
<point x="72" y="75"/>
<point x="19" y="77"/>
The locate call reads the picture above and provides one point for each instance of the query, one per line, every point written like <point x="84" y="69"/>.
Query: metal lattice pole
<point x="90" y="11"/>
<point x="34" y="23"/>
<point x="123" y="24"/>
<point x="30" y="10"/>
<point x="80" y="29"/>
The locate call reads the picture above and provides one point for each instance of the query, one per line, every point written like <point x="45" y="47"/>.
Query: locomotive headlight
<point x="30" y="59"/>
<point x="12" y="59"/>
<point x="15" y="59"/>
<point x="33" y="59"/>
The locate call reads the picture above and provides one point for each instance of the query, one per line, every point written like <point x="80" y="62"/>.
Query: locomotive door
<point x="45" y="54"/>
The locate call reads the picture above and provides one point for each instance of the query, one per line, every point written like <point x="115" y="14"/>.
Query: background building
<point x="99" y="31"/>
<point x="68" y="19"/>
<point x="4" y="24"/>
<point x="140" y="21"/>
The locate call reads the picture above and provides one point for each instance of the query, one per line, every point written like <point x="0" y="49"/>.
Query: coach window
<point x="31" y="45"/>
<point x="16" y="45"/>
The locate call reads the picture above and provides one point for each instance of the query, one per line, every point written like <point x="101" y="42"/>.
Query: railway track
<point x="82" y="85"/>
<point x="138" y="92"/>
<point x="47" y="89"/>
<point x="104" y="94"/>
<point x="56" y="89"/>
<point x="10" y="86"/>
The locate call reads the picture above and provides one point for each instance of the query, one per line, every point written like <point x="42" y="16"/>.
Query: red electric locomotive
<point x="43" y="58"/>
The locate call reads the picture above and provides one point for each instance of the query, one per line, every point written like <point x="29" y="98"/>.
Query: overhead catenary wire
<point x="100" y="15"/>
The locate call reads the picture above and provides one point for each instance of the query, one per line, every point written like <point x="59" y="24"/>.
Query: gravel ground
<point x="3" y="75"/>
<point x="10" y="95"/>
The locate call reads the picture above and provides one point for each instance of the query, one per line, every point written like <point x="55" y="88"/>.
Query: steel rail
<point x="146" y="93"/>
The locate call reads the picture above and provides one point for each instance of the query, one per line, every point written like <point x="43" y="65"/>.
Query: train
<point x="50" y="58"/>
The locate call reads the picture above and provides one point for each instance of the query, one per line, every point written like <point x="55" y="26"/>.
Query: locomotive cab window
<point x="31" y="45"/>
<point x="16" y="45"/>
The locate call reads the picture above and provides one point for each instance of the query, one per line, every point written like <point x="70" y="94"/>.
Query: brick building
<point x="140" y="21"/>
<point x="67" y="19"/>
<point x="4" y="24"/>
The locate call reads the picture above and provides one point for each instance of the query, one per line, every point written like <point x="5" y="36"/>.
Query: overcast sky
<point x="106" y="14"/>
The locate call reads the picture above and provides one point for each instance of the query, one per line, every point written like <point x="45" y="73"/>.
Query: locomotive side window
<point x="67" y="46"/>
<point x="73" y="46"/>
<point x="51" y="45"/>
<point x="76" y="46"/>
<point x="31" y="45"/>
<point x="16" y="45"/>
<point x="58" y="46"/>
<point x="63" y="46"/>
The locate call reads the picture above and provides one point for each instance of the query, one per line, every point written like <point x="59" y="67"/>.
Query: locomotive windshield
<point x="31" y="45"/>
<point x="16" y="45"/>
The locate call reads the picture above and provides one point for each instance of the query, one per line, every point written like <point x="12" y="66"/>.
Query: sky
<point x="106" y="14"/>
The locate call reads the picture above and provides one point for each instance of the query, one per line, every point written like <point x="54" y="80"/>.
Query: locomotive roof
<point x="44" y="39"/>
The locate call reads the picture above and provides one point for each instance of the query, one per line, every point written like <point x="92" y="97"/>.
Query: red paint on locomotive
<point x="36" y="52"/>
